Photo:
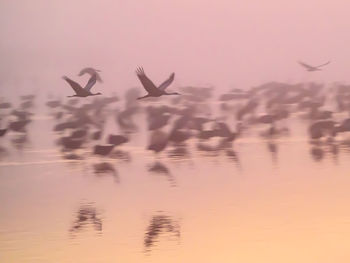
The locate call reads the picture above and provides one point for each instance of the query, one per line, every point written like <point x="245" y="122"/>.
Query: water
<point x="274" y="201"/>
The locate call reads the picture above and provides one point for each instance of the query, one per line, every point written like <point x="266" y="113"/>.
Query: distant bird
<point x="79" y="133"/>
<point x="153" y="90"/>
<point x="5" y="105"/>
<point x="25" y="105"/>
<point x="117" y="139"/>
<point x="313" y="68"/>
<point x="2" y="132"/>
<point x="18" y="126"/>
<point x="158" y="121"/>
<point x="53" y="103"/>
<point x="72" y="156"/>
<point x="103" y="149"/>
<point x="20" y="141"/>
<point x="321" y="128"/>
<point x="28" y="97"/>
<point x="66" y="125"/>
<point x="96" y="135"/>
<point x="158" y="141"/>
<point x="179" y="136"/>
<point x="79" y="90"/>
<point x="71" y="143"/>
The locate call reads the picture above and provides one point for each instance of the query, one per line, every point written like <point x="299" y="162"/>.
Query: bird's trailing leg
<point x="143" y="97"/>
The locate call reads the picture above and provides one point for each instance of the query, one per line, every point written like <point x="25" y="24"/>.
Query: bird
<point x="71" y="143"/>
<point x="18" y="126"/>
<point x="2" y="132"/>
<point x="91" y="72"/>
<point x="117" y="139"/>
<point x="5" y="105"/>
<point x="153" y="90"/>
<point x="94" y="76"/>
<point x="79" y="90"/>
<point x="313" y="68"/>
<point x="103" y="149"/>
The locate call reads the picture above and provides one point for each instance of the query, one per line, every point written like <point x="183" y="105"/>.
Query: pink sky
<point x="225" y="43"/>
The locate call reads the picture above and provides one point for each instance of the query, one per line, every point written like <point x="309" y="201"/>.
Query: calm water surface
<point x="274" y="201"/>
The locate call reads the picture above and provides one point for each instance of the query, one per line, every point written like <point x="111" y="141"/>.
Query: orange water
<point x="261" y="207"/>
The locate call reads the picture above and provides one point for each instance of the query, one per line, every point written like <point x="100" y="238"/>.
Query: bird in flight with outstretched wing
<point x="312" y="68"/>
<point x="151" y="88"/>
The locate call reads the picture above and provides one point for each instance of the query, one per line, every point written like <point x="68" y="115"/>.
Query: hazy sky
<point x="225" y="43"/>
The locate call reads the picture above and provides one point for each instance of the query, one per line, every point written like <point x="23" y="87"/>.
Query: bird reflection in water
<point x="121" y="155"/>
<point x="233" y="156"/>
<point x="345" y="145"/>
<point x="160" y="169"/>
<point x="3" y="153"/>
<point x="320" y="149"/>
<point x="272" y="147"/>
<point x="160" y="225"/>
<point x="20" y="141"/>
<point x="106" y="169"/>
<point x="85" y="216"/>
<point x="317" y="153"/>
<point x="334" y="150"/>
<point x="179" y="152"/>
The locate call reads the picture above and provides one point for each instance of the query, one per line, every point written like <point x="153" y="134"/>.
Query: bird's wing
<point x="88" y="70"/>
<point x="75" y="86"/>
<point x="98" y="77"/>
<point x="323" y="64"/>
<point x="90" y="83"/>
<point x="91" y="72"/>
<point x="306" y="65"/>
<point x="167" y="83"/>
<point x="146" y="82"/>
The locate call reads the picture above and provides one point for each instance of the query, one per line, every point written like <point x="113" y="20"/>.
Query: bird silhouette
<point x="160" y="224"/>
<point x="79" y="90"/>
<point x="2" y="132"/>
<point x="5" y="105"/>
<point x="103" y="149"/>
<point x="91" y="72"/>
<point x="312" y="68"/>
<point x="153" y="90"/>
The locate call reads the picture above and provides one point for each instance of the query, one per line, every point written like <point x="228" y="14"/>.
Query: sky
<point x="224" y="43"/>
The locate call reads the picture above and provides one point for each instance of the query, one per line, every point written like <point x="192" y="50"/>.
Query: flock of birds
<point x="189" y="117"/>
<point x="197" y="120"/>
<point x="150" y="87"/>
<point x="160" y="224"/>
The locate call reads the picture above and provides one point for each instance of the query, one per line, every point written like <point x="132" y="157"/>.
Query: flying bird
<point x="313" y="68"/>
<point x="79" y="90"/>
<point x="153" y="90"/>
<point x="91" y="72"/>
